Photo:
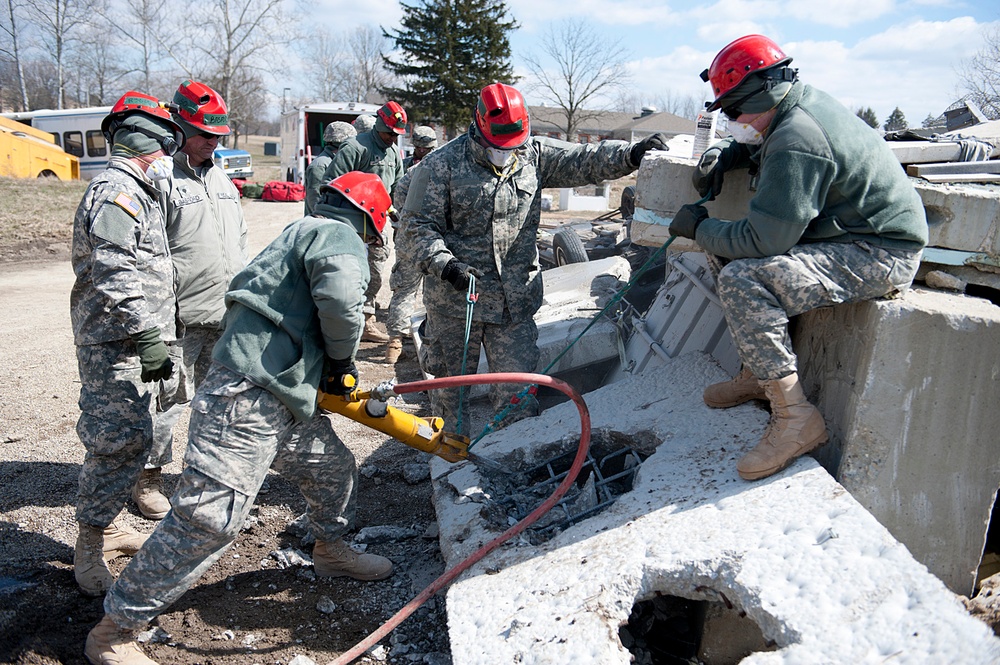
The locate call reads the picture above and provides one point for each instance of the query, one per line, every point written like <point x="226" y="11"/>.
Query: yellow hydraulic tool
<point x="416" y="432"/>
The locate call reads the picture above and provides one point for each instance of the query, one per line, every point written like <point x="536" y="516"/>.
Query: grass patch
<point x="38" y="208"/>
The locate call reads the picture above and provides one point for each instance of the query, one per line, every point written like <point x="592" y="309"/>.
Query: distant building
<point x="600" y="125"/>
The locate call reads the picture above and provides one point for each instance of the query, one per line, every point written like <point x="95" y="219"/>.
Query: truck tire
<point x="567" y="248"/>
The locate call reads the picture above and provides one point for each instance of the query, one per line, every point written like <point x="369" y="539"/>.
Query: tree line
<point x="71" y="53"/>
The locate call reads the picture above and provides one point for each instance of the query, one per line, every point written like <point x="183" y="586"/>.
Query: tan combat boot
<point x="394" y="350"/>
<point x="796" y="427"/>
<point x="742" y="388"/>
<point x="148" y="495"/>
<point x="120" y="540"/>
<point x="89" y="567"/>
<point x="336" y="559"/>
<point x="109" y="644"/>
<point x="371" y="332"/>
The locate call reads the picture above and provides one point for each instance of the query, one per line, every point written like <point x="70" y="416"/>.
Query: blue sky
<point x="877" y="53"/>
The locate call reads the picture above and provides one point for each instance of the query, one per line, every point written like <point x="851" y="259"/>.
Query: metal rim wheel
<point x="567" y="248"/>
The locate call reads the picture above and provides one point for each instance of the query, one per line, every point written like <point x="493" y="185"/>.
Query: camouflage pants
<point x="192" y="356"/>
<point x="509" y="346"/>
<point x="404" y="282"/>
<point x="237" y="430"/>
<point x="377" y="258"/>
<point x="115" y="427"/>
<point x="760" y="295"/>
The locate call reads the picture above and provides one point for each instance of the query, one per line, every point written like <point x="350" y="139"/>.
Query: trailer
<point x="302" y="132"/>
<point x="26" y="152"/>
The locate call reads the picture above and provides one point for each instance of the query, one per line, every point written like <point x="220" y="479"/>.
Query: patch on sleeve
<point x="128" y="204"/>
<point x="418" y="187"/>
<point x="113" y="224"/>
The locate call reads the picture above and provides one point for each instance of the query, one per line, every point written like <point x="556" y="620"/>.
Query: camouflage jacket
<point x="207" y="236"/>
<point x="314" y="178"/>
<point x="459" y="207"/>
<point x="299" y="301"/>
<point x="124" y="276"/>
<point x="367" y="152"/>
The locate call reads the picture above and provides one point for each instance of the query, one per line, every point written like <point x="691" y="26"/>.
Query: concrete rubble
<point x="825" y="562"/>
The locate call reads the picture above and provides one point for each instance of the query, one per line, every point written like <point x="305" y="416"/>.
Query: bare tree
<point x="324" y="53"/>
<point x="685" y="106"/>
<point x="588" y="70"/>
<point x="981" y="75"/>
<point x="146" y="26"/>
<point x="99" y="69"/>
<point x="10" y="28"/>
<point x="350" y="66"/>
<point x="61" y="23"/>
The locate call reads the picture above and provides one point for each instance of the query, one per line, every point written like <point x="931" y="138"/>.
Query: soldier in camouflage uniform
<point x="335" y="133"/>
<point x="294" y="317"/>
<point x="375" y="152"/>
<point x="122" y="309"/>
<point x="404" y="280"/>
<point x="208" y="245"/>
<point x="834" y="219"/>
<point x="473" y="209"/>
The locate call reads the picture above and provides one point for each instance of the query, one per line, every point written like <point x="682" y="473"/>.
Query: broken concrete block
<point x="814" y="571"/>
<point x="908" y="388"/>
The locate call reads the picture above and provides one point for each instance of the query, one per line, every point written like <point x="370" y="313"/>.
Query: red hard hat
<point x="737" y="60"/>
<point x="202" y="108"/>
<point x="139" y="102"/>
<point x="367" y="193"/>
<point x="394" y="117"/>
<point x="502" y="117"/>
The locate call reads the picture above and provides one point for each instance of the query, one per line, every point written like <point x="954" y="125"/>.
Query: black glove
<point x="335" y="379"/>
<point x="686" y="221"/>
<point x="721" y="157"/>
<point x="654" y="142"/>
<point x="458" y="274"/>
<point x="156" y="363"/>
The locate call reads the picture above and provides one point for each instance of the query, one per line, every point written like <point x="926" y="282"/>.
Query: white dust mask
<point x="745" y="133"/>
<point x="498" y="157"/>
<point x="160" y="168"/>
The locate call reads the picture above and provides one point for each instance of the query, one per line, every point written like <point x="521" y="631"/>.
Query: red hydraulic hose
<point x="449" y="575"/>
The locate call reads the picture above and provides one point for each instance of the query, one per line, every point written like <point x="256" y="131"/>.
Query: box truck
<point x="302" y="132"/>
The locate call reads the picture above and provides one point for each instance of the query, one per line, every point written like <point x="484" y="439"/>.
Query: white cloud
<point x="840" y="14"/>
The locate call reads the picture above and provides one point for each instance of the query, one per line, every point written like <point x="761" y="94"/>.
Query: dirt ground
<point x="246" y="609"/>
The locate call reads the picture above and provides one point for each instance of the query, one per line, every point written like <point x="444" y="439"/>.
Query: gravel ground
<point x="247" y="608"/>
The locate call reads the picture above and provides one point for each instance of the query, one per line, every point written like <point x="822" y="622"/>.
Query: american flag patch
<point x="127" y="203"/>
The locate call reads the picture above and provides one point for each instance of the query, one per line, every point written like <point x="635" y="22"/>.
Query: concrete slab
<point x="909" y="389"/>
<point x="961" y="217"/>
<point x="801" y="557"/>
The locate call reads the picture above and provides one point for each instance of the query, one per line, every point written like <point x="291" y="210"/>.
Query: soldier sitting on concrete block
<point x="834" y="219"/>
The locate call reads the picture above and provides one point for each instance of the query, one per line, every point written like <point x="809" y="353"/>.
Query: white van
<point x="302" y="132"/>
<point x="78" y="132"/>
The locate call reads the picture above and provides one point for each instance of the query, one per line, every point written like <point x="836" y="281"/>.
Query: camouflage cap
<point x="338" y="132"/>
<point x="364" y="123"/>
<point x="424" y="137"/>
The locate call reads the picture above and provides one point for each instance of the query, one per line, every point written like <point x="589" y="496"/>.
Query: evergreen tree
<point x="449" y="50"/>
<point x="868" y="115"/>
<point x="895" y="122"/>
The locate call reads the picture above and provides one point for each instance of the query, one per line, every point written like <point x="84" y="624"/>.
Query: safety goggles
<point x="168" y="143"/>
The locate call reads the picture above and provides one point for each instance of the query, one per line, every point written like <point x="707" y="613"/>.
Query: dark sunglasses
<point x="733" y="111"/>
<point x="208" y="136"/>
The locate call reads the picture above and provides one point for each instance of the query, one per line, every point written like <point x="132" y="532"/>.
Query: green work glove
<point x="156" y="363"/>
<point x="654" y="142"/>
<point x="686" y="221"/>
<point x="708" y="175"/>
<point x="340" y="377"/>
